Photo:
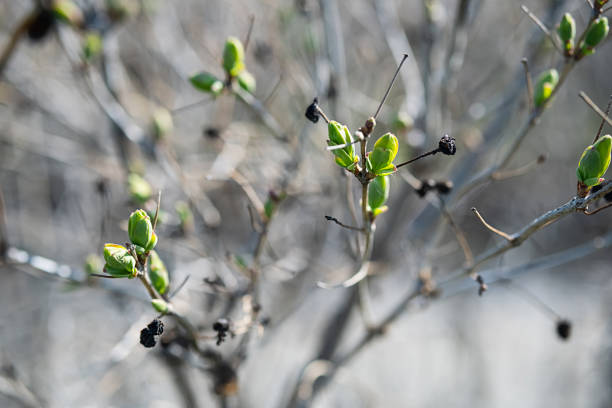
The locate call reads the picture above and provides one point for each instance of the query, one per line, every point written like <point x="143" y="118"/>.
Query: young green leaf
<point x="158" y="274"/>
<point x="594" y="162"/>
<point x="233" y="57"/>
<point x="206" y="82"/>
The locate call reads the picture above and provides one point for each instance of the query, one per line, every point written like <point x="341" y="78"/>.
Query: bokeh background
<point x="69" y="340"/>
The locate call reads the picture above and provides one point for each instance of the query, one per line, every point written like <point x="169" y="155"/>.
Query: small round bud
<point x="594" y="162"/>
<point x="447" y="145"/>
<point x="567" y="31"/>
<point x="140" y="189"/>
<point x="597" y="32"/>
<point x="119" y="262"/>
<point x="545" y="85"/>
<point x="140" y="230"/>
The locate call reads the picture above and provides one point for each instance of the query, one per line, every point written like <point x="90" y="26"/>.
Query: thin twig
<point x="530" y="297"/>
<point x="593" y="106"/>
<point x="541" y="25"/>
<point x="490" y="227"/>
<point x="529" y="84"/>
<point x="157" y="209"/>
<point x="603" y="207"/>
<point x="601" y="125"/>
<point x="506" y="174"/>
<point x="382" y="102"/>
<point x="461" y="239"/>
<point x="250" y="30"/>
<point x="337" y="147"/>
<point x="329" y="218"/>
<point x="418" y="158"/>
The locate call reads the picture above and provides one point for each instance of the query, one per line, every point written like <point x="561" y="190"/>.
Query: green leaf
<point x="597" y="32"/>
<point x="140" y="230"/>
<point x="140" y="189"/>
<point x="158" y="274"/>
<point x="247" y="81"/>
<point x="233" y="56"/>
<point x="340" y="135"/>
<point x="381" y="158"/>
<point x="206" y="82"/>
<point x="119" y="262"/>
<point x="378" y="192"/>
<point x="594" y="161"/>
<point x="545" y="85"/>
<point x="160" y="305"/>
<point x="567" y="28"/>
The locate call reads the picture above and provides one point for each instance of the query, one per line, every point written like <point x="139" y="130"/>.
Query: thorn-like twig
<point x="601" y="125"/>
<point x="491" y="228"/>
<point x="157" y="209"/>
<point x="542" y="27"/>
<point x="329" y="218"/>
<point x="529" y="82"/>
<point x="592" y="105"/>
<point x="248" y="36"/>
<point x="382" y="102"/>
<point x="603" y="207"/>
<point x="506" y="174"/>
<point x="530" y="297"/>
<point x="178" y="289"/>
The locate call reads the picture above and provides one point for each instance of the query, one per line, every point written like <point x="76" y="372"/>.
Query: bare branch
<point x="542" y="27"/>
<point x="593" y="106"/>
<point x="529" y="84"/>
<point x="490" y="227"/>
<point x="329" y="218"/>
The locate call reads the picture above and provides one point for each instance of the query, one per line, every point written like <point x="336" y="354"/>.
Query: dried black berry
<point x="156" y="327"/>
<point x="147" y="338"/>
<point x="447" y="145"/>
<point x="211" y="132"/>
<point x="221" y="325"/>
<point x="564" y="329"/>
<point x="312" y="113"/>
<point x="41" y="25"/>
<point x="444" y="187"/>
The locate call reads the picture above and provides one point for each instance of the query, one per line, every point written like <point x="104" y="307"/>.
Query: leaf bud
<point x="119" y="262"/>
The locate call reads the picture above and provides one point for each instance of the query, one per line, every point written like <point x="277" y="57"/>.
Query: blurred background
<point x="97" y="114"/>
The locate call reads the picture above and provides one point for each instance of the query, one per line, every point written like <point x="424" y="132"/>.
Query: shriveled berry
<point x="564" y="329"/>
<point x="447" y="145"/>
<point x="147" y="338"/>
<point x="156" y="327"/>
<point x="221" y="325"/>
<point x="312" y="113"/>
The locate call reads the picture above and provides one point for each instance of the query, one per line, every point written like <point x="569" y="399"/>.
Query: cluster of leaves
<point x="132" y="260"/>
<point x="594" y="34"/>
<point x="235" y="70"/>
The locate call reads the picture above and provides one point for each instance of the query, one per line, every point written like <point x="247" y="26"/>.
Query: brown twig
<point x="490" y="227"/>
